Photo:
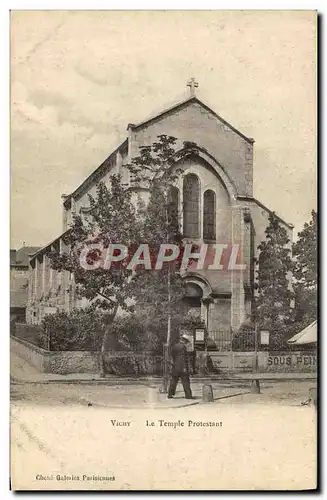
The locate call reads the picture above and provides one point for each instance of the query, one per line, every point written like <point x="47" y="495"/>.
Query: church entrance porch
<point x="192" y="302"/>
<point x="211" y="312"/>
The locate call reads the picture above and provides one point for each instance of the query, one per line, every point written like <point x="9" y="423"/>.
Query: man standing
<point x="180" y="368"/>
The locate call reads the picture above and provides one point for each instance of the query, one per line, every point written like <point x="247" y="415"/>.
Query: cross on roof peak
<point x="193" y="85"/>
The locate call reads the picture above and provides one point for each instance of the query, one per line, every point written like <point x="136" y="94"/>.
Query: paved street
<point x="259" y="441"/>
<point x="146" y="394"/>
<point x="29" y="386"/>
<point x="79" y="435"/>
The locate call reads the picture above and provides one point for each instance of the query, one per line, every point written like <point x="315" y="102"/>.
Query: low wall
<point x="229" y="361"/>
<point x="289" y="361"/>
<point x="132" y="363"/>
<point x="35" y="356"/>
<point x="147" y="363"/>
<point x="115" y="363"/>
<point x="277" y="362"/>
<point x="64" y="362"/>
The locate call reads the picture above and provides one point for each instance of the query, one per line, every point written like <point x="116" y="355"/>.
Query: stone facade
<point x="222" y="161"/>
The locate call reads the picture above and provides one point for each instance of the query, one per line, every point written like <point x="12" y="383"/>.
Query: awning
<point x="306" y="336"/>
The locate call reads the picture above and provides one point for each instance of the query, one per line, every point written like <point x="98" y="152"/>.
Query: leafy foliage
<point x="305" y="273"/>
<point x="113" y="217"/>
<point x="244" y="338"/>
<point x="78" y="330"/>
<point x="162" y="289"/>
<point x="274" y="294"/>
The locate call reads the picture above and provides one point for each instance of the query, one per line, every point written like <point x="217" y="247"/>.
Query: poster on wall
<point x="199" y="335"/>
<point x="264" y="337"/>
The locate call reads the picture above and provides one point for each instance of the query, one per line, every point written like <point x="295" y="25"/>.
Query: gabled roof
<point x="105" y="165"/>
<point x="153" y="118"/>
<point x="183" y="104"/>
<point x="261" y="205"/>
<point x="40" y="250"/>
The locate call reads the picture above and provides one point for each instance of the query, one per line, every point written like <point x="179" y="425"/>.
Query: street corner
<point x="178" y="401"/>
<point x="135" y="397"/>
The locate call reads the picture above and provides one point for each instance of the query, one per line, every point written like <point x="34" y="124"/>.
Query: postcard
<point x="163" y="260"/>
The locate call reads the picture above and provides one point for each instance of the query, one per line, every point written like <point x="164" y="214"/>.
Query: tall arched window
<point x="209" y="215"/>
<point x="191" y="206"/>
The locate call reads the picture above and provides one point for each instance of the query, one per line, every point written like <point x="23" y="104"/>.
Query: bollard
<point x="207" y="394"/>
<point x="255" y="386"/>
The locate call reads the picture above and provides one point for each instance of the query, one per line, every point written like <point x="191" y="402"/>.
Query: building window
<point x="191" y="206"/>
<point x="209" y="215"/>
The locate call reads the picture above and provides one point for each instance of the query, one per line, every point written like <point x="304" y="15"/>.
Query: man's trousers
<point x="185" y="378"/>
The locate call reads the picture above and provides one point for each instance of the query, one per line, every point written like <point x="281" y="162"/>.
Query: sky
<point x="79" y="77"/>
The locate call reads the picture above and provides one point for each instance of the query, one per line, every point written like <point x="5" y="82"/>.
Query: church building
<point x="216" y="204"/>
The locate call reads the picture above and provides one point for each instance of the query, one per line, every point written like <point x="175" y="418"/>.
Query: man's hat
<point x="185" y="337"/>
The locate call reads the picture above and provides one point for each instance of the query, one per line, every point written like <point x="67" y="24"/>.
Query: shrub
<point x="83" y="329"/>
<point x="79" y="330"/>
<point x="244" y="339"/>
<point x="137" y="332"/>
<point x="33" y="334"/>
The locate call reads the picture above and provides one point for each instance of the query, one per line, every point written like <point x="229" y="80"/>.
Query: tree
<point x="305" y="273"/>
<point x="274" y="294"/>
<point x="162" y="289"/>
<point x="111" y="219"/>
<point x="115" y="218"/>
<point x="155" y="168"/>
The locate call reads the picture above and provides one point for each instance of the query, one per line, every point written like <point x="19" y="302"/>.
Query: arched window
<point x="191" y="206"/>
<point x="209" y="215"/>
<point x="173" y="208"/>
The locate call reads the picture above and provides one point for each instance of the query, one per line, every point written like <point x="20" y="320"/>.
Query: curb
<point x="157" y="380"/>
<point x="124" y="407"/>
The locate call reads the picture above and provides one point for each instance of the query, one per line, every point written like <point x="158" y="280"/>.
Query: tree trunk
<point x="166" y="347"/>
<point x="104" y="342"/>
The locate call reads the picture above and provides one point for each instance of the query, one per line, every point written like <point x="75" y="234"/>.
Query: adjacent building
<point x="19" y="277"/>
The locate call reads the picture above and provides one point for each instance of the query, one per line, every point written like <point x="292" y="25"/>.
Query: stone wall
<point x="64" y="362"/>
<point x="35" y="356"/>
<point x="147" y="363"/>
<point x="289" y="361"/>
<point x="276" y="362"/>
<point x="130" y="363"/>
